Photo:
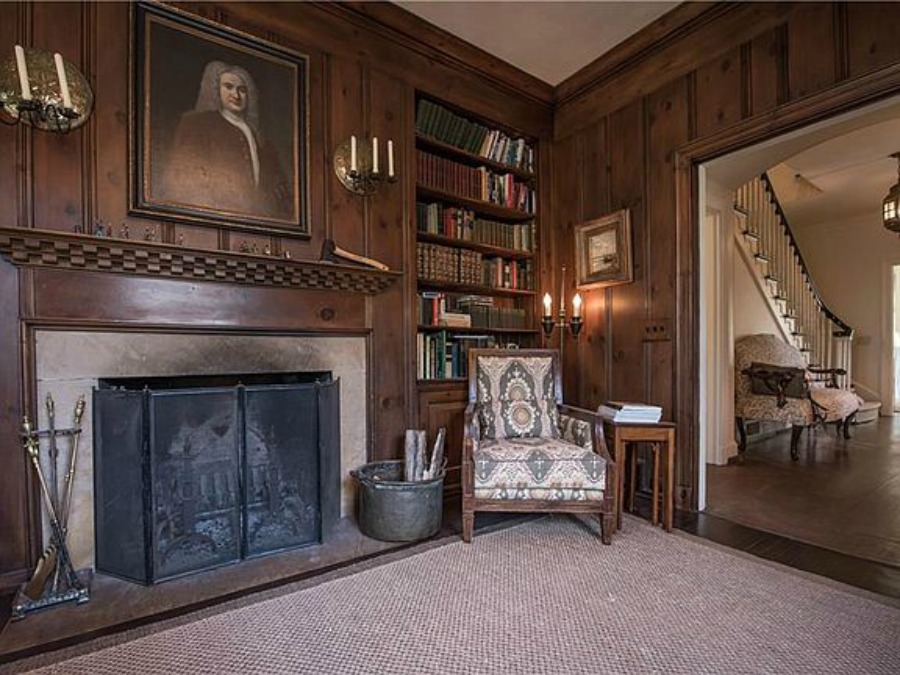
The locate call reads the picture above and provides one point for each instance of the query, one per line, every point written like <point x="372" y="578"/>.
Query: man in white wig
<point x="219" y="159"/>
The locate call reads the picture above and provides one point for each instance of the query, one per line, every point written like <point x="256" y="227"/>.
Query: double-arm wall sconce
<point x="574" y="324"/>
<point x="357" y="167"/>
<point x="43" y="90"/>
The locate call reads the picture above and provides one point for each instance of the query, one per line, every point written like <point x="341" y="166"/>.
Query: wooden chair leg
<point x="795" y="442"/>
<point x="468" y="526"/>
<point x="847" y="422"/>
<point x="742" y="437"/>
<point x="607" y="525"/>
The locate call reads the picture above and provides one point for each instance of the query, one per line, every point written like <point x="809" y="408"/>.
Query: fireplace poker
<point x="68" y="487"/>
<point x="54" y="467"/>
<point x="32" y="448"/>
<point x="54" y="450"/>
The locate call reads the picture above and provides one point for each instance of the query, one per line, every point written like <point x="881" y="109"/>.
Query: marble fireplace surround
<point x="69" y="363"/>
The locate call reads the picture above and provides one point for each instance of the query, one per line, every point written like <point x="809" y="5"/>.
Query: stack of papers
<point x="638" y="413"/>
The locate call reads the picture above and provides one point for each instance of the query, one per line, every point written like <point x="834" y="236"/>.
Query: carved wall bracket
<point x="43" y="248"/>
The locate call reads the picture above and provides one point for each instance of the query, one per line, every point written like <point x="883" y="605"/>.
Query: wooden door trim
<point x="840" y="99"/>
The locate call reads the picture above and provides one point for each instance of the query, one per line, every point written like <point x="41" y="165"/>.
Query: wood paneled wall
<point x="624" y="132"/>
<point x="629" y="131"/>
<point x="366" y="62"/>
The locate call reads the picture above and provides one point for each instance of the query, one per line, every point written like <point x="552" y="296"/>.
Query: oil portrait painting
<point x="220" y="126"/>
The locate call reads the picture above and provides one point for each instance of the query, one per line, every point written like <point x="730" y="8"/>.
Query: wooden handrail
<point x="845" y="329"/>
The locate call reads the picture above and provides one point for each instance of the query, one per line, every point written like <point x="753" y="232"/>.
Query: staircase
<point x="765" y="240"/>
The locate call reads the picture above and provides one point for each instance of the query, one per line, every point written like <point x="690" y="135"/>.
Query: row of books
<point x="444" y="355"/>
<point x="475" y="311"/>
<point x="637" y="413"/>
<point x="478" y="183"/>
<point x="437" y="122"/>
<point x="461" y="223"/>
<point x="442" y="263"/>
<point x="461" y="266"/>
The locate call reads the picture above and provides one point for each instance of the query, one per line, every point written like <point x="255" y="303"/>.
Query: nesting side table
<point x="621" y="437"/>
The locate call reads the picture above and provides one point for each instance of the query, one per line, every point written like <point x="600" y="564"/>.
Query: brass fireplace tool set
<point x="54" y="580"/>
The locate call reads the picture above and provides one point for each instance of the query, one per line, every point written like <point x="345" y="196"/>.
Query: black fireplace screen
<point x="188" y="479"/>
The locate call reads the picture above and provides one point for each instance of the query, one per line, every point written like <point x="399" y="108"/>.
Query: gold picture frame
<point x="603" y="251"/>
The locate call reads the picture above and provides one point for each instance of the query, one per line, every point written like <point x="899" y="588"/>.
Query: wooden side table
<point x="621" y="436"/>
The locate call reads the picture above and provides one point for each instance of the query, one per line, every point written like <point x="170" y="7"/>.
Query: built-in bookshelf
<point x="476" y="239"/>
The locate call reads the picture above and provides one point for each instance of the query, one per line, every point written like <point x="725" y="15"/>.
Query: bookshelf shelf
<point x="478" y="331"/>
<point x="476" y="237"/>
<point x="473" y="289"/>
<point x="436" y="146"/>
<point x="484" y="208"/>
<point x="475" y="246"/>
<point x="434" y="382"/>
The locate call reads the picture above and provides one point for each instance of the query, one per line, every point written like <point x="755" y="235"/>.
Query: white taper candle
<point x="390" y="159"/>
<point x="353" y="153"/>
<point x="22" y="67"/>
<point x="63" y="80"/>
<point x="374" y="154"/>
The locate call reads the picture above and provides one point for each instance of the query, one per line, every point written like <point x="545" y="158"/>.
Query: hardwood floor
<point x="866" y="574"/>
<point x="836" y="512"/>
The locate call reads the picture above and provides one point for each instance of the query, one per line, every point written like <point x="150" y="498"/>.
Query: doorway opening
<point x="769" y="492"/>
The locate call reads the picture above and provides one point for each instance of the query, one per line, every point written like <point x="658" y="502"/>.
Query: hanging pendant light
<point x="890" y="208"/>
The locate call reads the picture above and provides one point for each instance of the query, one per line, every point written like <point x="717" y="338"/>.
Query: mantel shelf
<point x="43" y="248"/>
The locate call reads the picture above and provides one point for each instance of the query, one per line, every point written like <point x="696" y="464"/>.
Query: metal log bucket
<point x="391" y="509"/>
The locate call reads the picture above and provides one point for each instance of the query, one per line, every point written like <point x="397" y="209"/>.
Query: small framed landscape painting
<point x="603" y="251"/>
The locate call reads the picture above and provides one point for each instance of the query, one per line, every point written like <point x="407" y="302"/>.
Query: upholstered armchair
<point x="525" y="451"/>
<point x="773" y="383"/>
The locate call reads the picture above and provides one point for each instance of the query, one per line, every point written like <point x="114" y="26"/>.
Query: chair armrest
<point x="596" y="422"/>
<point x="471" y="430"/>
<point x="471" y="436"/>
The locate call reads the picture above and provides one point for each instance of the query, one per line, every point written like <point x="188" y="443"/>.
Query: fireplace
<point x="73" y="363"/>
<point x="196" y="472"/>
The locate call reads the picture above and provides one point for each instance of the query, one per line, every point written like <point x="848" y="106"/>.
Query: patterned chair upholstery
<point x="523" y="450"/>
<point x="821" y="401"/>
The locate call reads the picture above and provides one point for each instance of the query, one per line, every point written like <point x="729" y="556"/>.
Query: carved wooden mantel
<point x="44" y="248"/>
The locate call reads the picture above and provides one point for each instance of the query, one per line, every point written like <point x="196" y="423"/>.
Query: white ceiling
<point x="853" y="174"/>
<point x="550" y="40"/>
<point x="837" y="170"/>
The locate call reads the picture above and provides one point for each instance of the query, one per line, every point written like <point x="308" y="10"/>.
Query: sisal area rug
<point x="543" y="597"/>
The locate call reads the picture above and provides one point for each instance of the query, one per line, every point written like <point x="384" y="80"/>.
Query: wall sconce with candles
<point x="574" y="324"/>
<point x="357" y="167"/>
<point x="43" y="90"/>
